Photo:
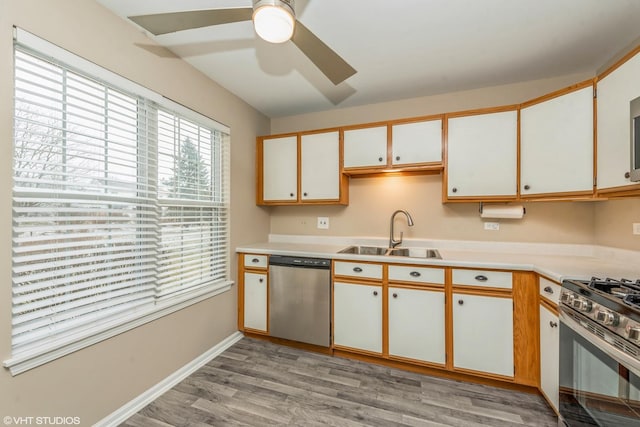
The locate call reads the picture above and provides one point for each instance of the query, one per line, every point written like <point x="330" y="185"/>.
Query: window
<point x="120" y="204"/>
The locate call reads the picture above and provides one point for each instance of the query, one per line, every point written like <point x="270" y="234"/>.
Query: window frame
<point x="37" y="355"/>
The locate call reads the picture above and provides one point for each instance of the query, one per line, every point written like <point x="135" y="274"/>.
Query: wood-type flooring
<point x="258" y="383"/>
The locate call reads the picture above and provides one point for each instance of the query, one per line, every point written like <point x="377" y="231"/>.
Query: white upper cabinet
<point x="418" y="142"/>
<point x="482" y="155"/>
<point x="556" y="143"/>
<point x="320" y="164"/>
<point x="615" y="92"/>
<point x="280" y="169"/>
<point x="302" y="168"/>
<point x="365" y="147"/>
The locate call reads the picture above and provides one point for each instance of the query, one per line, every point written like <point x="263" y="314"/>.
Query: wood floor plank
<point x="258" y="383"/>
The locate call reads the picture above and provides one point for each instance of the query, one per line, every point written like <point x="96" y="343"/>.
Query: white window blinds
<point x="118" y="203"/>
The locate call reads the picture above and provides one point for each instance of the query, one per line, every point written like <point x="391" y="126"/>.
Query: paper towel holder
<point x="524" y="210"/>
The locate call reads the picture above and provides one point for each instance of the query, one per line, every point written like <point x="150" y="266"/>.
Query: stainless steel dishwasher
<point x="300" y="299"/>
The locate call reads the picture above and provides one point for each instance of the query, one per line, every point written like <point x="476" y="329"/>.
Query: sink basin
<point x="406" y="252"/>
<point x="364" y="250"/>
<point x="415" y="253"/>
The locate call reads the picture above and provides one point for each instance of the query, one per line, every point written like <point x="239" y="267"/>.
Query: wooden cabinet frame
<point x="343" y="198"/>
<point x="526" y="347"/>
<point x="445" y="177"/>
<point x="241" y="292"/>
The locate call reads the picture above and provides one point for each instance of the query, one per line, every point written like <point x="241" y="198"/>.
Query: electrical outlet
<point x="493" y="226"/>
<point x="636" y="228"/>
<point x="323" y="222"/>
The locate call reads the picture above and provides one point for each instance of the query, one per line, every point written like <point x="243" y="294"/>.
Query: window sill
<point x="33" y="358"/>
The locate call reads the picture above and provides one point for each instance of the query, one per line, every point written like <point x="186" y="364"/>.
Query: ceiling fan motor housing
<point x="289" y="5"/>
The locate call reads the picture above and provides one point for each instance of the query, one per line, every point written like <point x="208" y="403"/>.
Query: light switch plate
<point x="493" y="226"/>
<point x="636" y="228"/>
<point x="323" y="222"/>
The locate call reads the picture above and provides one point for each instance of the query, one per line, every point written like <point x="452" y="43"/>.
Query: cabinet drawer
<point x="358" y="269"/>
<point x="255" y="261"/>
<point x="550" y="290"/>
<point x="489" y="279"/>
<point x="416" y="274"/>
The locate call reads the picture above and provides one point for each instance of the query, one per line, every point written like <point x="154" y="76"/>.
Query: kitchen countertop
<point x="555" y="261"/>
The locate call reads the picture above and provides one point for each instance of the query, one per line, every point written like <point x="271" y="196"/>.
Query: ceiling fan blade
<point x="163" y="23"/>
<point x="329" y="62"/>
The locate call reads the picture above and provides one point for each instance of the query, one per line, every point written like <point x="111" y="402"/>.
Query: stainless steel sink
<point x="405" y="252"/>
<point x="364" y="250"/>
<point x="415" y="253"/>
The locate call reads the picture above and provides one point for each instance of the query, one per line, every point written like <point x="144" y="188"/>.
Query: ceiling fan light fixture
<point x="274" y="20"/>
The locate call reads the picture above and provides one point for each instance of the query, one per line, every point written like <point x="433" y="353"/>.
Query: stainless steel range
<point x="600" y="352"/>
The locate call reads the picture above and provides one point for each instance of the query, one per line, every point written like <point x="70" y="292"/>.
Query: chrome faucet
<point x="392" y="242"/>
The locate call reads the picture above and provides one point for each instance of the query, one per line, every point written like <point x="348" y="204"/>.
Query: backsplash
<point x="373" y="200"/>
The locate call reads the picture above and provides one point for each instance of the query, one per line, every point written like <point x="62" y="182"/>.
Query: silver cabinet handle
<point x="553" y="324"/>
<point x="548" y="290"/>
<point x="415" y="274"/>
<point x="357" y="269"/>
<point x="481" y="278"/>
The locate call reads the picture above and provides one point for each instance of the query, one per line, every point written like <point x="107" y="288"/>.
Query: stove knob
<point x="607" y="318"/>
<point x="582" y="304"/>
<point x="567" y="298"/>
<point x="634" y="334"/>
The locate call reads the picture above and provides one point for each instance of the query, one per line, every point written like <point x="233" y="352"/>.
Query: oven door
<point x="599" y="384"/>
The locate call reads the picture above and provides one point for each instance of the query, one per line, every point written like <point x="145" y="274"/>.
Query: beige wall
<point x="372" y="200"/>
<point x="614" y="221"/>
<point x="93" y="382"/>
<point x="437" y="104"/>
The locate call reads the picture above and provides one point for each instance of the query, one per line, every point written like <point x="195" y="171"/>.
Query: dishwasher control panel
<point x="291" y="261"/>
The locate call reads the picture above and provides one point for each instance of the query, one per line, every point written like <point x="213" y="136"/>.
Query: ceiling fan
<point x="274" y="21"/>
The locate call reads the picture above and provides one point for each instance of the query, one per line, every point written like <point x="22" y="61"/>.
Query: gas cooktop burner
<point x="627" y="290"/>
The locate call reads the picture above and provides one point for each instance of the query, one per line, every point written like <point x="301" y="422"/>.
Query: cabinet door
<point x="482" y="155"/>
<point x="483" y="334"/>
<point x="416" y="324"/>
<point x="320" y="166"/>
<point x="255" y="301"/>
<point x="615" y="92"/>
<point x="556" y="142"/>
<point x="280" y="169"/>
<point x="419" y="142"/>
<point x="357" y="316"/>
<point x="549" y="355"/>
<point x="365" y="147"/>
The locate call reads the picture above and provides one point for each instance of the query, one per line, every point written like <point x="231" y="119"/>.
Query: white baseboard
<point x="126" y="411"/>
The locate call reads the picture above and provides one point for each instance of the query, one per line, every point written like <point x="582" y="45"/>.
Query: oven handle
<point x="619" y="356"/>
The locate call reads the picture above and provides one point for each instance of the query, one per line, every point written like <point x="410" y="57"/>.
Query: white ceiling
<point x="401" y="49"/>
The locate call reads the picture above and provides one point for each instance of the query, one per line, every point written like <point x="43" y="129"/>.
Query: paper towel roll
<point x="502" y="211"/>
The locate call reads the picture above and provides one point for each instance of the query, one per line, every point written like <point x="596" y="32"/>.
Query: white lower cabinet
<point x="255" y="301"/>
<point x="416" y="324"/>
<point x="549" y="355"/>
<point x="483" y="334"/>
<point x="357" y="316"/>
